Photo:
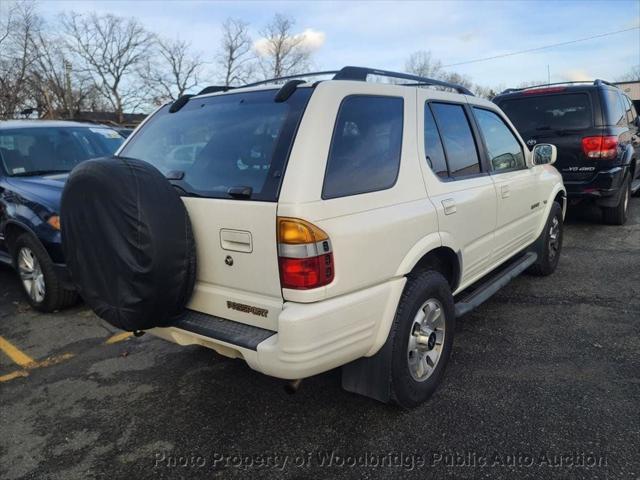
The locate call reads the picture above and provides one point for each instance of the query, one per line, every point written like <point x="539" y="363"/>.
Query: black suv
<point x="597" y="131"/>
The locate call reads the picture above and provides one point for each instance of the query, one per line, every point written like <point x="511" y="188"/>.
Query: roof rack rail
<point x="290" y="77"/>
<point x="594" y="82"/>
<point x="361" y="73"/>
<point x="214" y="89"/>
<point x="597" y="81"/>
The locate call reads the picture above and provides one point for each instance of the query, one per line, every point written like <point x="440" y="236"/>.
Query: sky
<point x="383" y="34"/>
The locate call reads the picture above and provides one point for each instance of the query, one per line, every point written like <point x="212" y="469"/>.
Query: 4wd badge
<point x="531" y="142"/>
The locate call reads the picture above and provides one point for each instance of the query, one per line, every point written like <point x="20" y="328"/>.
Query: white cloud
<point x="310" y="39"/>
<point x="576" y="75"/>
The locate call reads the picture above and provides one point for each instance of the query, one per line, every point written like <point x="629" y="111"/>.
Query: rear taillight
<point x="304" y="255"/>
<point x="535" y="91"/>
<point x="600" y="146"/>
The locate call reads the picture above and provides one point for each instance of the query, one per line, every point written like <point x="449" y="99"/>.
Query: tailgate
<point x="238" y="277"/>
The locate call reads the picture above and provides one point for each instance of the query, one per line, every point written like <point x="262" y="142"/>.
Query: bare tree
<point x="235" y="59"/>
<point x="423" y="64"/>
<point x="58" y="89"/>
<point x="112" y="51"/>
<point x="174" y="71"/>
<point x="17" y="55"/>
<point x="632" y="75"/>
<point x="280" y="52"/>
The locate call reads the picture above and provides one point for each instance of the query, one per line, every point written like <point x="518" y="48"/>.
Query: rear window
<point x="365" y="148"/>
<point x="214" y="144"/>
<point x="44" y="150"/>
<point x="571" y="111"/>
<point x="614" y="109"/>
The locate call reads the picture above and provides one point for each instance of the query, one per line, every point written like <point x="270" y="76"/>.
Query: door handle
<point x="236" y="240"/>
<point x="505" y="192"/>
<point x="449" y="206"/>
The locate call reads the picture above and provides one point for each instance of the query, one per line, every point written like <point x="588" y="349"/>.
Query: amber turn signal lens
<point x="54" y="221"/>
<point x="293" y="231"/>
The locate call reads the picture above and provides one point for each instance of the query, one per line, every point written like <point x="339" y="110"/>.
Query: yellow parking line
<point x="118" y="337"/>
<point x="12" y="375"/>
<point x="16" y="354"/>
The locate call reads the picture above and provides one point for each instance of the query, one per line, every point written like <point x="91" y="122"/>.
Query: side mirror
<point x="544" y="154"/>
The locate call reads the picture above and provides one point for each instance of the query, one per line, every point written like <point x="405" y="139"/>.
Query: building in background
<point x="632" y="89"/>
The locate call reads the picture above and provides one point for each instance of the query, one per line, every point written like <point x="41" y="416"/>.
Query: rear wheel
<point x="618" y="215"/>
<point x="550" y="244"/>
<point x="38" y="278"/>
<point x="423" y="338"/>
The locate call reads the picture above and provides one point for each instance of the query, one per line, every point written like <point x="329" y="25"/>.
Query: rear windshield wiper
<point x="241" y="191"/>
<point x="558" y="131"/>
<point x="34" y="173"/>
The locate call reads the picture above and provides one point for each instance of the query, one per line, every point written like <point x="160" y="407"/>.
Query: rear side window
<point x="536" y="113"/>
<point x="221" y="142"/>
<point x="433" y="145"/>
<point x="366" y="146"/>
<point x="615" y="111"/>
<point x="505" y="152"/>
<point x="629" y="108"/>
<point x="459" y="145"/>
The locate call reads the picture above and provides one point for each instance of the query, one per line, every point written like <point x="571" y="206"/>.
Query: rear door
<point x="519" y="202"/>
<point x="562" y="119"/>
<point x="226" y="154"/>
<point x="458" y="184"/>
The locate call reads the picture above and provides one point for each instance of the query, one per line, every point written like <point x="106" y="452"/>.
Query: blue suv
<point x="35" y="159"/>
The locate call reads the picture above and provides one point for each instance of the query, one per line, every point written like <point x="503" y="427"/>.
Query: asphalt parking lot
<point x="544" y="382"/>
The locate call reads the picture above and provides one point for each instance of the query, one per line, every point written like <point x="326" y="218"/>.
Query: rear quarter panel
<point x="371" y="233"/>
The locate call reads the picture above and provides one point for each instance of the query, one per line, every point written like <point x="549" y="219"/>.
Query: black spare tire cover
<point x="128" y="243"/>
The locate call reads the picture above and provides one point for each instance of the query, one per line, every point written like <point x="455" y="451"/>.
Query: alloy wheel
<point x="426" y="340"/>
<point x="31" y="274"/>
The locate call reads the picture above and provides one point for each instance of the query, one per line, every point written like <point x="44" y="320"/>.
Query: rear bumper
<point x="314" y="337"/>
<point x="603" y="187"/>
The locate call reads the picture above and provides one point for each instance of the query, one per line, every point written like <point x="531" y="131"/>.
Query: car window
<point x="41" y="150"/>
<point x="505" y="152"/>
<point x="629" y="108"/>
<point x="615" y="111"/>
<point x="366" y="146"/>
<point x="535" y="113"/>
<point x="459" y="144"/>
<point x="433" y="145"/>
<point x="223" y="141"/>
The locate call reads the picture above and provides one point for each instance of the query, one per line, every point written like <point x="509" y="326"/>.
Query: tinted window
<point x="41" y="150"/>
<point x="629" y="109"/>
<point x="459" y="145"/>
<point x="505" y="152"/>
<point x="535" y="113"/>
<point x="433" y="145"/>
<point x="614" y="108"/>
<point x="223" y="141"/>
<point x="365" y="148"/>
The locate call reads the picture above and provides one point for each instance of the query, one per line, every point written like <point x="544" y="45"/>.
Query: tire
<point x="132" y="258"/>
<point x="549" y="246"/>
<point x="618" y="215"/>
<point x="38" y="278"/>
<point x="412" y="384"/>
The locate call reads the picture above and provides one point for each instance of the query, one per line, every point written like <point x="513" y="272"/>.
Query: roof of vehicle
<point x="560" y="87"/>
<point x="11" y="124"/>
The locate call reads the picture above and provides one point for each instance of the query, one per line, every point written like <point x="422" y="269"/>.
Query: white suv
<point x="346" y="223"/>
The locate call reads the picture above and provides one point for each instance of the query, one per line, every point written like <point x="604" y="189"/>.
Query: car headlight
<point x="54" y="221"/>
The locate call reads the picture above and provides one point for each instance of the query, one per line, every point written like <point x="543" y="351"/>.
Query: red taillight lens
<point x="306" y="273"/>
<point x="600" y="146"/>
<point x="305" y="255"/>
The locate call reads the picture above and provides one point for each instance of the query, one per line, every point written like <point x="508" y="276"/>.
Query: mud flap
<point x="370" y="376"/>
